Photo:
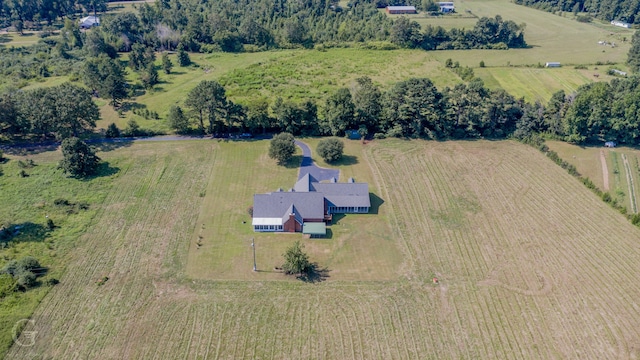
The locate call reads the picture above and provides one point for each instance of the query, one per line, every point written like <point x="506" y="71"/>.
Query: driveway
<point x="308" y="167"/>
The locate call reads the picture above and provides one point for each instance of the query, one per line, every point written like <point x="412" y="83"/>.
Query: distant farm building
<point x="621" y="24"/>
<point x="89" y="22"/>
<point x="618" y="72"/>
<point x="610" y="144"/>
<point x="551" y="64"/>
<point x="446" y="7"/>
<point x="401" y="10"/>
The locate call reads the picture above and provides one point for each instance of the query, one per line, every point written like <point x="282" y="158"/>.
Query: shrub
<point x="26" y="279"/>
<point x="50" y="224"/>
<point x="61" y="202"/>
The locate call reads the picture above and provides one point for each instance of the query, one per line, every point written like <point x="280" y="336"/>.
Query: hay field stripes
<point x="532" y="83"/>
<point x="525" y="271"/>
<point x="527" y="240"/>
<point x="630" y="184"/>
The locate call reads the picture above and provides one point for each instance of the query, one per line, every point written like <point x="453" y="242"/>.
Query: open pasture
<point x="530" y="264"/>
<point x="538" y="84"/>
<point x="551" y="38"/>
<point x="622" y="169"/>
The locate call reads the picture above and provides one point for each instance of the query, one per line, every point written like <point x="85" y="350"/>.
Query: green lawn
<point x="359" y="247"/>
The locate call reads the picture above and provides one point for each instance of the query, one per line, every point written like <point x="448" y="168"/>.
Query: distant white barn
<point x="89" y="22"/>
<point x="551" y="64"/>
<point x="446" y="6"/>
<point x="621" y="24"/>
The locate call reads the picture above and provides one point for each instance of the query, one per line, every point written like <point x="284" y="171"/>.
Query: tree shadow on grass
<point x="345" y="160"/>
<point x="294" y="162"/>
<point x="104" y="170"/>
<point x="23" y="232"/>
<point x="315" y="275"/>
<point x="376" y="202"/>
<point x="105" y="145"/>
<point x="30" y="149"/>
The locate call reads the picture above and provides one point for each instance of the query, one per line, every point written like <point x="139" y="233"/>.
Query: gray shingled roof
<point x="344" y="194"/>
<point x="309" y="205"/>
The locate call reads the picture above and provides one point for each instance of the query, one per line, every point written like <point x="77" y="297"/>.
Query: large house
<point x="308" y="206"/>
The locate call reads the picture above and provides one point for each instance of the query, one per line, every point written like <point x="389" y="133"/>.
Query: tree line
<point x="607" y="10"/>
<point x="18" y="12"/>
<point x="413" y="108"/>
<point x="55" y="112"/>
<point x="597" y="112"/>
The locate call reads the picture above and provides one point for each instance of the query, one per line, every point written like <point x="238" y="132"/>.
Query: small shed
<point x="401" y="10"/>
<point x="353" y="135"/>
<point x="89" y="22"/>
<point x="610" y="144"/>
<point x="552" y="64"/>
<point x="314" y="229"/>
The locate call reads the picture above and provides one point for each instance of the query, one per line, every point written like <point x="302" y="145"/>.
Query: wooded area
<point x="607" y="10"/>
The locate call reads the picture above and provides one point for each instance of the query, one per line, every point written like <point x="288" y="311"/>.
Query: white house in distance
<point x="446" y="6"/>
<point x="89" y="21"/>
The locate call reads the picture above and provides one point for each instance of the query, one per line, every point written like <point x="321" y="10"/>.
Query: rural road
<point x="308" y="167"/>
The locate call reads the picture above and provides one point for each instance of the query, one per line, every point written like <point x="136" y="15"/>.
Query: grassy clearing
<point x="15" y="39"/>
<point x="27" y="202"/>
<point x="530" y="265"/>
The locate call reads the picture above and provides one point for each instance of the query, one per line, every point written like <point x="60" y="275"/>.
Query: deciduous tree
<point x="282" y="147"/>
<point x="79" y="160"/>
<point x="330" y="149"/>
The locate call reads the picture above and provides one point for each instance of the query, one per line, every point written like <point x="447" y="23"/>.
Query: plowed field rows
<point x="530" y="265"/>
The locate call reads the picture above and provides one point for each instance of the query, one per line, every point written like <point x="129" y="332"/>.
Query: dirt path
<point x="632" y="193"/>
<point x="605" y="171"/>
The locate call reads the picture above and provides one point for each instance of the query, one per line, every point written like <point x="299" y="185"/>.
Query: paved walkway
<point x="308" y="167"/>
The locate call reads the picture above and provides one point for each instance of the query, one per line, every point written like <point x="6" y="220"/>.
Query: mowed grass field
<point x="530" y="264"/>
<point x="550" y="37"/>
<point x="622" y="169"/>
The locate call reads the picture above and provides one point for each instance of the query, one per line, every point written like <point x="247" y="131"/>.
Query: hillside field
<point x="530" y="263"/>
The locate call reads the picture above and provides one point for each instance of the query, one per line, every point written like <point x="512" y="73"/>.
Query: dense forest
<point x="230" y="25"/>
<point x="623" y="10"/>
